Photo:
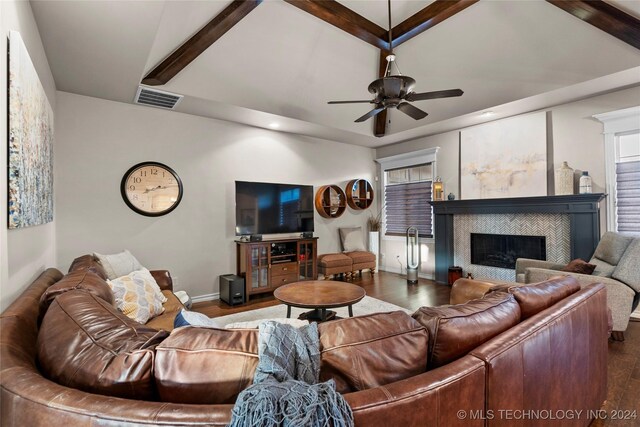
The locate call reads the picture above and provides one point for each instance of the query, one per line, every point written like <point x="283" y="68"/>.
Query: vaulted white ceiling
<point x="280" y="64"/>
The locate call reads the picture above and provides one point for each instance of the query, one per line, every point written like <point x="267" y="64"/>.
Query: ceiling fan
<point x="396" y="91"/>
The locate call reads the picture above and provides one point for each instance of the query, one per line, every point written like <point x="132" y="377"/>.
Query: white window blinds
<point x="628" y="183"/>
<point x="407" y="194"/>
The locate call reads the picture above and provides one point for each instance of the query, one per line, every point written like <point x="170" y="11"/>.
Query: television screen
<point x="265" y="208"/>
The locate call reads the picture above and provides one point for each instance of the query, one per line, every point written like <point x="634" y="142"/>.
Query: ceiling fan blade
<point x="370" y="114"/>
<point x="350" y="102"/>
<point x="434" y="95"/>
<point x="411" y="111"/>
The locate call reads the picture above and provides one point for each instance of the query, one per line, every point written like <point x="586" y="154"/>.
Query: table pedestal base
<point x="318" y="315"/>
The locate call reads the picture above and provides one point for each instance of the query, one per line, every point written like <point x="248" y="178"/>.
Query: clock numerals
<point x="151" y="189"/>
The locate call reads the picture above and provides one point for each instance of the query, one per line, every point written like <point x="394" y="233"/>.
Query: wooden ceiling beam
<point x="428" y="17"/>
<point x="604" y="16"/>
<point x="197" y="44"/>
<point x="380" y="120"/>
<point x="346" y="19"/>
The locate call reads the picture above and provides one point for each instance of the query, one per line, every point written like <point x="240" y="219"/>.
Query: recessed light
<point x="274" y="125"/>
<point x="488" y="114"/>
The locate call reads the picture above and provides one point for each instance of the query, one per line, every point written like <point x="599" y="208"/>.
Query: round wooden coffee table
<point x="319" y="295"/>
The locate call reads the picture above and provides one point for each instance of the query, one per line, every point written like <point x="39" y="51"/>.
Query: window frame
<point x="405" y="160"/>
<point x="616" y="123"/>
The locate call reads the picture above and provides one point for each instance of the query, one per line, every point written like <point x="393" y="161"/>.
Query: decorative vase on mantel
<point x="564" y="180"/>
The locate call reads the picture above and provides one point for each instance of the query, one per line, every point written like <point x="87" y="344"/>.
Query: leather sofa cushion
<point x="85" y="343"/>
<point x="206" y="365"/>
<point x="79" y="279"/>
<point x="457" y="329"/>
<point x="539" y="296"/>
<point x="364" y="352"/>
<point x="171" y="309"/>
<point x="88" y="262"/>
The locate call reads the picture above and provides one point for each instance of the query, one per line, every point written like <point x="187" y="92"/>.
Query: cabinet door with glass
<point x="306" y="260"/>
<point x="258" y="266"/>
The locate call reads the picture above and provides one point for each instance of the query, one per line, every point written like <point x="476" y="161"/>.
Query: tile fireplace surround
<point x="571" y="225"/>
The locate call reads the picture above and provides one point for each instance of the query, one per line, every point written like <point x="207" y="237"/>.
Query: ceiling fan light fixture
<point x="396" y="90"/>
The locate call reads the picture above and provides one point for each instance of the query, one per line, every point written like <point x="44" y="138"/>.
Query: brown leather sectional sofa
<point x="498" y="361"/>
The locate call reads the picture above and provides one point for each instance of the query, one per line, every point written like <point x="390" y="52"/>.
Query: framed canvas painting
<point x="30" y="142"/>
<point x="506" y="158"/>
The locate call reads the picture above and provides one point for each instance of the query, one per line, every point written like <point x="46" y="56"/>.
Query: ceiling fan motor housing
<point x="392" y="87"/>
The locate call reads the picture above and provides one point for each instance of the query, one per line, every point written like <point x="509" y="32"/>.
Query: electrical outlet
<point x="175" y="281"/>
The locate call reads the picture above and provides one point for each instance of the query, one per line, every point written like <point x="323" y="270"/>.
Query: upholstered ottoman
<point x="362" y="260"/>
<point x="332" y="264"/>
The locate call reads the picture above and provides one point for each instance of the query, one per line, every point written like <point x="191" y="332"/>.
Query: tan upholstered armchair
<point x="617" y="260"/>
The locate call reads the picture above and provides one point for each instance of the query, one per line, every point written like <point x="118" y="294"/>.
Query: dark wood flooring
<point x="624" y="357"/>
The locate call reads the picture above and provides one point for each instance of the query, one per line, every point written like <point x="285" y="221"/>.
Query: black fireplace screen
<point x="502" y="250"/>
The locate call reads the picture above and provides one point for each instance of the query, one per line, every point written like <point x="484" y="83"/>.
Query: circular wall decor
<point x="359" y="194"/>
<point x="330" y="201"/>
<point x="151" y="189"/>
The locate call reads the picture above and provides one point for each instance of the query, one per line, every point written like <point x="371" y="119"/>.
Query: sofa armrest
<point x="523" y="263"/>
<point x="620" y="297"/>
<point x="163" y="278"/>
<point x="535" y="275"/>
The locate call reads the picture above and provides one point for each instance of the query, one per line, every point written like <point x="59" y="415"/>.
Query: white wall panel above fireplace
<point x="555" y="227"/>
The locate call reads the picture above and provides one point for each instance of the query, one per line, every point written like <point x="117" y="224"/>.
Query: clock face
<point x="151" y="189"/>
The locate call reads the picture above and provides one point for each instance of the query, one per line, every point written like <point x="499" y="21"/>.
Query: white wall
<point x="574" y="136"/>
<point x="98" y="140"/>
<point x="24" y="253"/>
<point x="447" y="169"/>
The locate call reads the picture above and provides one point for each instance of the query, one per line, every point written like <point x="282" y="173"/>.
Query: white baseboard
<point x="397" y="270"/>
<point x="206" y="297"/>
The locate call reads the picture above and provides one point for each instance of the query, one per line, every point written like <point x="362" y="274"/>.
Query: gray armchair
<point x="617" y="260"/>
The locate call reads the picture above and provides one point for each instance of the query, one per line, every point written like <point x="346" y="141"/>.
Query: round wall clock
<point x="151" y="189"/>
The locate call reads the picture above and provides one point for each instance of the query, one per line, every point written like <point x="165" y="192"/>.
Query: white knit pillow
<point x="118" y="265"/>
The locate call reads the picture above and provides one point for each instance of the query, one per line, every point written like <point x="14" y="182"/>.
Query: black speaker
<point x="232" y="289"/>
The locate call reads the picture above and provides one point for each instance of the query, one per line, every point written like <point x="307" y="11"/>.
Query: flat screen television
<point x="266" y="208"/>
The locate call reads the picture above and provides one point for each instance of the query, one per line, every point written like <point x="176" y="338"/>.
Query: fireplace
<point x="502" y="250"/>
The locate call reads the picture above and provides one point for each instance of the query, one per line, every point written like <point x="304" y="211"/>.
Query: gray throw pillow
<point x="352" y="239"/>
<point x="628" y="269"/>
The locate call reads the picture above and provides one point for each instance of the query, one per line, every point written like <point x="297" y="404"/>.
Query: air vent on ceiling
<point x="157" y="98"/>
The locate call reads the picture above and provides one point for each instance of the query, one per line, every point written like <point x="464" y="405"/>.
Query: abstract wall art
<point x="30" y="142"/>
<point x="505" y="158"/>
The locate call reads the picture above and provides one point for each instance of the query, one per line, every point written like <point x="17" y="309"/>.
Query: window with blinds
<point x="628" y="183"/>
<point x="407" y="193"/>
